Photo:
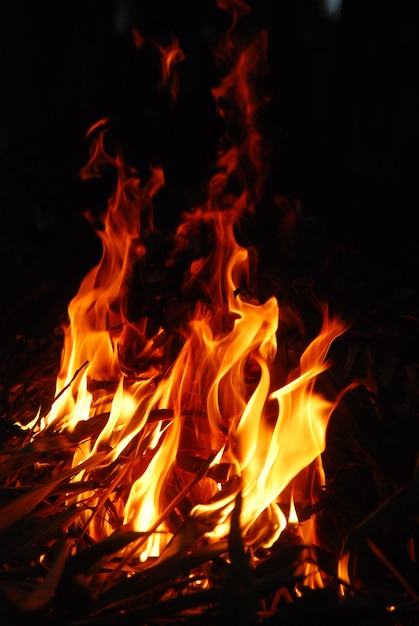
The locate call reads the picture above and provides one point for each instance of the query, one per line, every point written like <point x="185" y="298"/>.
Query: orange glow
<point x="163" y="400"/>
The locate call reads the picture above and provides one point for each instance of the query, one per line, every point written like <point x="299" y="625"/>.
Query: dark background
<point x="342" y="123"/>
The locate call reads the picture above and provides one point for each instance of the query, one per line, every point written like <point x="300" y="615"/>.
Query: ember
<point x="180" y="473"/>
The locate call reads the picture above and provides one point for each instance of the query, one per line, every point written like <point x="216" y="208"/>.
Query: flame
<point x="210" y="386"/>
<point x="343" y="573"/>
<point x="171" y="55"/>
<point x="292" y="515"/>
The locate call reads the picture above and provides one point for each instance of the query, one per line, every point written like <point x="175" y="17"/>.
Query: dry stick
<point x="402" y="580"/>
<point x="76" y="373"/>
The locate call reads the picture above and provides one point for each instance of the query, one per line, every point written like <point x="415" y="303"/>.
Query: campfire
<point x="190" y="463"/>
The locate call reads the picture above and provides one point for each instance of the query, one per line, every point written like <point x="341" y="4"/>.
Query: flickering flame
<point x="159" y="395"/>
<point x="292" y="515"/>
<point x="170" y="57"/>
<point x="343" y="573"/>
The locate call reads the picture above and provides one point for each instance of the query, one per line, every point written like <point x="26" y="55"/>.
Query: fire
<point x="170" y="56"/>
<point x="211" y="388"/>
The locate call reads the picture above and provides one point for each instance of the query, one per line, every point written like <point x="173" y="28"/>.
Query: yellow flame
<point x="292" y="516"/>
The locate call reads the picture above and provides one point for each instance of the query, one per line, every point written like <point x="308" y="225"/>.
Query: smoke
<point x="331" y="8"/>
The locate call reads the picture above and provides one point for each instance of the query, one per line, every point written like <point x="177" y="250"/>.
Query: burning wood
<point x="177" y="473"/>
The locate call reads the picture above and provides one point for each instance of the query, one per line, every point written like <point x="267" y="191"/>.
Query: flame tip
<point x="100" y="124"/>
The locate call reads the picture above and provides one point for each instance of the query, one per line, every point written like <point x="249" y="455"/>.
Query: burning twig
<point x="64" y="389"/>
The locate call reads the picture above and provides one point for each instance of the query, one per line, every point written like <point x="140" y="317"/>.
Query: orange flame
<point x="171" y="55"/>
<point x="259" y="435"/>
<point x="343" y="573"/>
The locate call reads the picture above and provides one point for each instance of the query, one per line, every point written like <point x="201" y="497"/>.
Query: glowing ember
<point x="212" y="389"/>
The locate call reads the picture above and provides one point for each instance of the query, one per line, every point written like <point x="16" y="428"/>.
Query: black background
<point x="342" y="123"/>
